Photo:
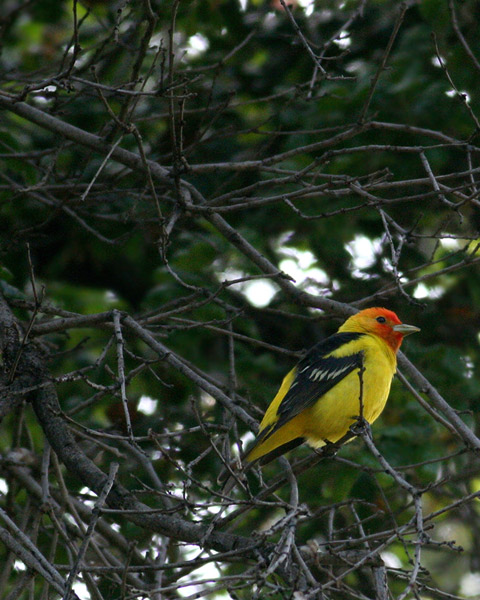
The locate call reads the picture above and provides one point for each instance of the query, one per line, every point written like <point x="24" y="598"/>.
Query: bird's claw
<point x="360" y="426"/>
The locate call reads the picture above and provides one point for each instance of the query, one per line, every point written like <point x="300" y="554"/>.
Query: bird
<point x="341" y="379"/>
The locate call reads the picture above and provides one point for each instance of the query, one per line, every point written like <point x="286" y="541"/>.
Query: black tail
<point x="226" y="473"/>
<point x="266" y="458"/>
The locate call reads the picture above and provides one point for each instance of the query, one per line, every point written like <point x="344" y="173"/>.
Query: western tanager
<point x="342" y="378"/>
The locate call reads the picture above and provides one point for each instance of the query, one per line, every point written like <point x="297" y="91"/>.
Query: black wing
<point x="317" y="373"/>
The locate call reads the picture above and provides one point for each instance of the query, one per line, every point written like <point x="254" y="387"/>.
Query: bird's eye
<point x="381" y="319"/>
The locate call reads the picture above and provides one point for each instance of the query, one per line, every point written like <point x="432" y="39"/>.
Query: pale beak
<point x="405" y="329"/>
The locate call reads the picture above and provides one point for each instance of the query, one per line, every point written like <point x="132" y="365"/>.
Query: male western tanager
<point x="342" y="378"/>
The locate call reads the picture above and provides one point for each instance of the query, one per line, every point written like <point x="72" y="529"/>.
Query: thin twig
<point x="96" y="513"/>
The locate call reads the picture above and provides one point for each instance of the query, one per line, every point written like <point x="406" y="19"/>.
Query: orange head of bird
<point x="381" y="322"/>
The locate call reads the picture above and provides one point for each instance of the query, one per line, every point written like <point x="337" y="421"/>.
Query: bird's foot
<point x="360" y="427"/>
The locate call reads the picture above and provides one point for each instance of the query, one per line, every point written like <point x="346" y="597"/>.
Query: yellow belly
<point x="330" y="418"/>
